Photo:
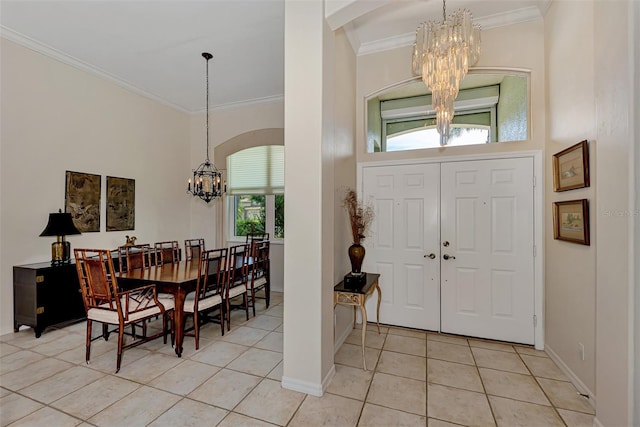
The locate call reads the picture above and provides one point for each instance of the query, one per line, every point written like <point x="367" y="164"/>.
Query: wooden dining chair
<point x="259" y="272"/>
<point x="167" y="252"/>
<point x="193" y="248"/>
<point x="237" y="280"/>
<point x="106" y="304"/>
<point x="208" y="297"/>
<point x="256" y="237"/>
<point x="134" y="256"/>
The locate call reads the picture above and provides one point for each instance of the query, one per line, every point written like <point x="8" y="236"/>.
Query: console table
<point x="357" y="297"/>
<point x="45" y="295"/>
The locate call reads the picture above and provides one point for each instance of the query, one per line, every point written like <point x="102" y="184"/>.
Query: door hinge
<point x="535" y="320"/>
<point x="39" y="310"/>
<point x="39" y="279"/>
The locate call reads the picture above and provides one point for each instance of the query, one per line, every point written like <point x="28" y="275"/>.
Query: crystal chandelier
<point x="442" y="54"/>
<point x="207" y="180"/>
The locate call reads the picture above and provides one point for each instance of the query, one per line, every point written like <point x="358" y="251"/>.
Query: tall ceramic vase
<point x="356" y="255"/>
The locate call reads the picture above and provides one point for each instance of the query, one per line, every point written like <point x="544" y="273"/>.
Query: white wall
<point x="308" y="341"/>
<point x="57" y="118"/>
<point x="571" y="117"/>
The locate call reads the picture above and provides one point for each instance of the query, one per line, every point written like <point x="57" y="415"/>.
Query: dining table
<point x="177" y="279"/>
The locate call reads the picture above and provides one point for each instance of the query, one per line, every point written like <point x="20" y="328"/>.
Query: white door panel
<point x="405" y="229"/>
<point x="487" y="218"/>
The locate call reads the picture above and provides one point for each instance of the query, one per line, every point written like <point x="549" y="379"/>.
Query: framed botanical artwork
<point x="82" y="200"/>
<point x="571" y="167"/>
<point x="571" y="221"/>
<point x="121" y="204"/>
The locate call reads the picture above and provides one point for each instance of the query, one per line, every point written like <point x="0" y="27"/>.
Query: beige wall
<point x="589" y="288"/>
<point x="501" y="48"/>
<point x="344" y="169"/>
<point x="57" y="118"/>
<point x="570" y="271"/>
<point x="614" y="78"/>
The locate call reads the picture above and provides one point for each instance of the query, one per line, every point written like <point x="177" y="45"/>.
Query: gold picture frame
<point x="571" y="221"/>
<point x="82" y="200"/>
<point x="571" y="167"/>
<point x="121" y="204"/>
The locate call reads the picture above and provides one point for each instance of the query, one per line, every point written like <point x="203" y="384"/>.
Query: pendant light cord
<point x="207" y="56"/>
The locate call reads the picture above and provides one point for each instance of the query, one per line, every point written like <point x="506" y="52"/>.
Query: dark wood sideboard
<point x="45" y="295"/>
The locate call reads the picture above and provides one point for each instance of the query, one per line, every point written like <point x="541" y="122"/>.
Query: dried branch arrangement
<point x="361" y="215"/>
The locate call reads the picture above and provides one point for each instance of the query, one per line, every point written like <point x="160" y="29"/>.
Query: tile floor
<point x="420" y="379"/>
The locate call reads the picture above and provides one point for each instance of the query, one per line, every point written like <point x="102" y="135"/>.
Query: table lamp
<point x="60" y="225"/>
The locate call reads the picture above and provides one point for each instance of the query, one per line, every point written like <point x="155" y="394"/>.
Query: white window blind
<point x="257" y="170"/>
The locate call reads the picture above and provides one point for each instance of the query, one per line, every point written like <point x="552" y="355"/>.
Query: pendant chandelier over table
<point x="442" y="54"/>
<point x="207" y="179"/>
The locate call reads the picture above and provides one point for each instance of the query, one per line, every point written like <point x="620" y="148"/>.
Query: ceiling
<point x="154" y="47"/>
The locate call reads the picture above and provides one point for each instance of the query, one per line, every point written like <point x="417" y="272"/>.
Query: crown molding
<point x="242" y="104"/>
<point x="493" y="21"/>
<point x="54" y="53"/>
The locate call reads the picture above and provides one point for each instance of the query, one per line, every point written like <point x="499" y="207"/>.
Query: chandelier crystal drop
<point x="442" y="54"/>
<point x="207" y="180"/>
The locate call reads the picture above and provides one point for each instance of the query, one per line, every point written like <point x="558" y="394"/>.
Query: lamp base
<point x="60" y="252"/>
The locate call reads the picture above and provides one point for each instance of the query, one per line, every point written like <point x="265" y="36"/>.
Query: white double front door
<point x="453" y="242"/>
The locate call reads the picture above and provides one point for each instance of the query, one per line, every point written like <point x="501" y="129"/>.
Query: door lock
<point x="447" y="256"/>
<point x="445" y="243"/>
<point x="431" y="256"/>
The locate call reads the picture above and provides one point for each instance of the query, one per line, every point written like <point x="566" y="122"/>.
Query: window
<point x="256" y="187"/>
<point x="490" y="107"/>
<point x="428" y="137"/>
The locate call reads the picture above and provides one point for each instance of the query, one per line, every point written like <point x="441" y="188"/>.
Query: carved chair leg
<point x="120" y="339"/>
<point x="267" y="292"/>
<point x="253" y="299"/>
<point x="196" y="328"/>
<point x="88" y="343"/>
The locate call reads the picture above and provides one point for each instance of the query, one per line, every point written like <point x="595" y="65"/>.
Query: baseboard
<point x="314" y="389"/>
<point x="582" y="388"/>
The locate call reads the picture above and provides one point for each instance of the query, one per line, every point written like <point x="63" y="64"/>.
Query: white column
<point x="308" y="319"/>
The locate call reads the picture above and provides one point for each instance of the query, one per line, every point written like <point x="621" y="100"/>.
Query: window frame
<point x="492" y="130"/>
<point x="269" y="222"/>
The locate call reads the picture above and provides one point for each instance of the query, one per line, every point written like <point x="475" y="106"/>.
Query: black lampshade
<point x="60" y="224"/>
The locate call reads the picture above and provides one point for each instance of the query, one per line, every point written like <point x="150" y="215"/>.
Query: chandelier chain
<point x="444" y="11"/>
<point x="207" y="107"/>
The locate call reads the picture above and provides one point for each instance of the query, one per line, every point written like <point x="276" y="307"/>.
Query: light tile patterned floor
<point x="420" y="379"/>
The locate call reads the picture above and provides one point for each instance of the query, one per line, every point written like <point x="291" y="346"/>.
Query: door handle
<point x="431" y="256"/>
<point x="447" y="256"/>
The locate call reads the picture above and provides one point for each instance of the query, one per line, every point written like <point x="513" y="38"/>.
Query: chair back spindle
<point x="193" y="248"/>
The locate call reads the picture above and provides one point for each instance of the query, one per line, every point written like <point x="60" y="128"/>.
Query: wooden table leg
<point x="355" y="310"/>
<point x="378" y="309"/>
<point x="179" y="320"/>
<point x="363" y="310"/>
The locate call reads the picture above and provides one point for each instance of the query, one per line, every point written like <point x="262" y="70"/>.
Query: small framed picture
<point x="571" y="221"/>
<point x="571" y="167"/>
